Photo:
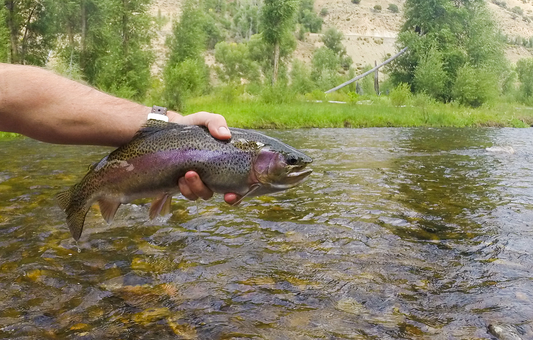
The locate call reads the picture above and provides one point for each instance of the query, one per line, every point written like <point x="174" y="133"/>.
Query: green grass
<point x="253" y="113"/>
<point x="369" y="112"/>
<point x="8" y="135"/>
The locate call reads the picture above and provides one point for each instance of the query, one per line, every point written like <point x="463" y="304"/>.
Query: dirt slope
<point x="370" y="35"/>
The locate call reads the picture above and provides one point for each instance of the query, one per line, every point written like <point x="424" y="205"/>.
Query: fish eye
<point x="292" y="160"/>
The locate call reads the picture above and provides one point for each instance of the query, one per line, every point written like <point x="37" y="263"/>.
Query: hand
<point x="191" y="186"/>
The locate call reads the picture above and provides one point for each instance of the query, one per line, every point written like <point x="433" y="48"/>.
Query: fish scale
<point x="248" y="164"/>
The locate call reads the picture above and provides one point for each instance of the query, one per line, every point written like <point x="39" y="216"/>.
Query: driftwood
<point x="368" y="72"/>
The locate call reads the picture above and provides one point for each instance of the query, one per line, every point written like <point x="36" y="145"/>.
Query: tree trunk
<point x="125" y="37"/>
<point x="83" y="38"/>
<point x="276" y="64"/>
<point x="13" y="31"/>
<point x="25" y="36"/>
<point x="376" y="78"/>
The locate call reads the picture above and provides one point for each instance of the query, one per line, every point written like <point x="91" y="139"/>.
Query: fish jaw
<point x="272" y="171"/>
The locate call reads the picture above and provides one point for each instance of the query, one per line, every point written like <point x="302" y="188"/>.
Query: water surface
<point x="398" y="234"/>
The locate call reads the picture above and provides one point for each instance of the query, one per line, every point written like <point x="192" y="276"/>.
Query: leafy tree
<point x="307" y="17"/>
<point x="325" y="66"/>
<point x="108" y="41"/>
<point x="235" y="63"/>
<point x="4" y="36"/>
<point x="459" y="33"/>
<point x="185" y="72"/>
<point x="182" y="80"/>
<point x="524" y="69"/>
<point x="277" y="21"/>
<point x="246" y="20"/>
<point x="332" y="39"/>
<point x="30" y="32"/>
<point x="474" y="86"/>
<point x="213" y="31"/>
<point x="263" y="53"/>
<point x="125" y="68"/>
<point x="430" y="76"/>
<point x="301" y="77"/>
<point x="188" y="38"/>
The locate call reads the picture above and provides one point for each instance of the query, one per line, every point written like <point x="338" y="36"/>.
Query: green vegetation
<point x="455" y="61"/>
<point x="456" y="52"/>
<point x="8" y="135"/>
<point x="359" y="111"/>
<point x="393" y="8"/>
<point x="186" y="73"/>
<point x="277" y="18"/>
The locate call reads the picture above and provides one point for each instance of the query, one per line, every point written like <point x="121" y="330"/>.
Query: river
<point x="399" y="233"/>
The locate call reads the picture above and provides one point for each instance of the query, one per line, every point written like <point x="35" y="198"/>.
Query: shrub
<point x="400" y="95"/>
<point x="182" y="80"/>
<point x="357" y="2"/>
<point x="316" y="95"/>
<point x="474" y="86"/>
<point x="277" y="94"/>
<point x="324" y="11"/>
<point x="524" y="69"/>
<point x="517" y="10"/>
<point x="377" y="8"/>
<point x="429" y="76"/>
<point x="500" y="3"/>
<point x="301" y="77"/>
<point x="393" y="8"/>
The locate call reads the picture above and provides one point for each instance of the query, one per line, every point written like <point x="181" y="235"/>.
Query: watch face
<point x="159" y="110"/>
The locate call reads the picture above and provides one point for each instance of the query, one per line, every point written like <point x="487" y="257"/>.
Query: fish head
<point x="280" y="169"/>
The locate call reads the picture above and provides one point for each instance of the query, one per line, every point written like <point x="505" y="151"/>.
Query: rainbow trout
<point x="248" y="164"/>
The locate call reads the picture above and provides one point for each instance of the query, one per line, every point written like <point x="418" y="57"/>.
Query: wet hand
<point x="214" y="122"/>
<point x="190" y="185"/>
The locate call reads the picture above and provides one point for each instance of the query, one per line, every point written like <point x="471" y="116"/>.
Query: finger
<point x="186" y="190"/>
<point x="215" y="123"/>
<point x="196" y="185"/>
<point x="231" y="198"/>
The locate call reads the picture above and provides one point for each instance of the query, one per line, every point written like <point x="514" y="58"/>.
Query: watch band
<point x="159" y="113"/>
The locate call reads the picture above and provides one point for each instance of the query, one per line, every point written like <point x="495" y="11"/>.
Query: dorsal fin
<point x="151" y="126"/>
<point x="154" y="125"/>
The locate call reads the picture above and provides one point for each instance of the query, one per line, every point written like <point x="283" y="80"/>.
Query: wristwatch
<point x="159" y="113"/>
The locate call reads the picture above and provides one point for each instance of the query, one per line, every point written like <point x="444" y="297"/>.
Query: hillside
<point x="370" y="35"/>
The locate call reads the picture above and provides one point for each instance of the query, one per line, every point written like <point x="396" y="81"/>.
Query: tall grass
<point x="374" y="111"/>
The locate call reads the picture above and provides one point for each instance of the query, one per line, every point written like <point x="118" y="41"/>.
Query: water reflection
<point x="399" y="233"/>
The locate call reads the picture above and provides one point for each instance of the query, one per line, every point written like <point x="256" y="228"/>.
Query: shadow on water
<point x="398" y="234"/>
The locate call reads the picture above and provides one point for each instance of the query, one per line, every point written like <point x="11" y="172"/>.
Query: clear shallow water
<point x="398" y="234"/>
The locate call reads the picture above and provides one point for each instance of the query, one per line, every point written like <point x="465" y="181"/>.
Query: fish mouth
<point x="298" y="174"/>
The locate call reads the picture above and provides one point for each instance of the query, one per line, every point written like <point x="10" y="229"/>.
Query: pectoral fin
<point x="108" y="209"/>
<point x="253" y="188"/>
<point x="160" y="205"/>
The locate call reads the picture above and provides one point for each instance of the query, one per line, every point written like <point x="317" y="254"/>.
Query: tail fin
<point x="76" y="212"/>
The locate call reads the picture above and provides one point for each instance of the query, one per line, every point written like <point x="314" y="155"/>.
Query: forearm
<point x="51" y="108"/>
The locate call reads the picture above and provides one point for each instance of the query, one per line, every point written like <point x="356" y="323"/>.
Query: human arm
<point x="50" y="108"/>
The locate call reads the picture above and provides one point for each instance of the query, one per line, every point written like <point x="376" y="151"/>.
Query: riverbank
<point x="364" y="112"/>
